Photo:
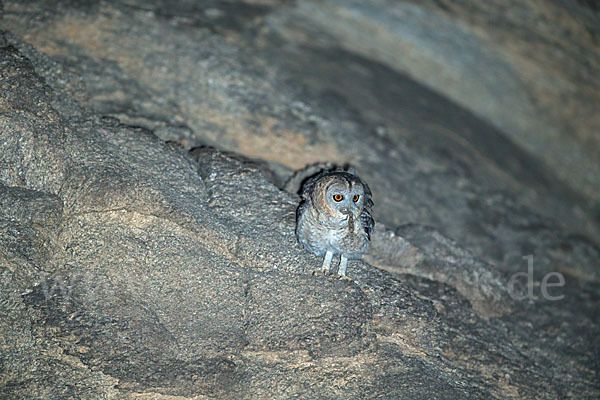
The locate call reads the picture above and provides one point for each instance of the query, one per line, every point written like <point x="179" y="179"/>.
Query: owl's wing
<point x="366" y="218"/>
<point x="305" y="192"/>
<point x="302" y="208"/>
<point x="367" y="222"/>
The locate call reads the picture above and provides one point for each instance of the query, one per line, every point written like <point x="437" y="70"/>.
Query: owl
<point x="334" y="217"/>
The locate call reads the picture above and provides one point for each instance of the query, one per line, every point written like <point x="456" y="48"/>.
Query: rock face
<point x="147" y="244"/>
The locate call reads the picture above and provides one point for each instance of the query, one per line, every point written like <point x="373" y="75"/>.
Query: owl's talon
<point x="321" y="271"/>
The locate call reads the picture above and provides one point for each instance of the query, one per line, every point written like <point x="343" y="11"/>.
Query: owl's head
<point x="342" y="194"/>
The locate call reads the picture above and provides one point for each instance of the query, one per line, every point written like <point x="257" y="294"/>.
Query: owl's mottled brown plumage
<point x="335" y="217"/>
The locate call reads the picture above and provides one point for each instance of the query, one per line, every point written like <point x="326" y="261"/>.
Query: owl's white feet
<point x="327" y="262"/>
<point x="327" y="265"/>
<point x="343" y="265"/>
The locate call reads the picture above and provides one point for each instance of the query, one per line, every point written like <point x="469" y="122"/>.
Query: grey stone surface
<point x="133" y="267"/>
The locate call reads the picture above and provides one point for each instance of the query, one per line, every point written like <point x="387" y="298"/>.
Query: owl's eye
<point x="338" y="197"/>
<point x="355" y="198"/>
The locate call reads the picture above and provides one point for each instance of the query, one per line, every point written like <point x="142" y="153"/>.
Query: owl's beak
<point x="349" y="218"/>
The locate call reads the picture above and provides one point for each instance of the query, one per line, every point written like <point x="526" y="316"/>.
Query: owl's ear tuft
<point x="343" y="168"/>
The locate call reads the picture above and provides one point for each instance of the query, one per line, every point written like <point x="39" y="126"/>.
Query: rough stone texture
<point x="132" y="267"/>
